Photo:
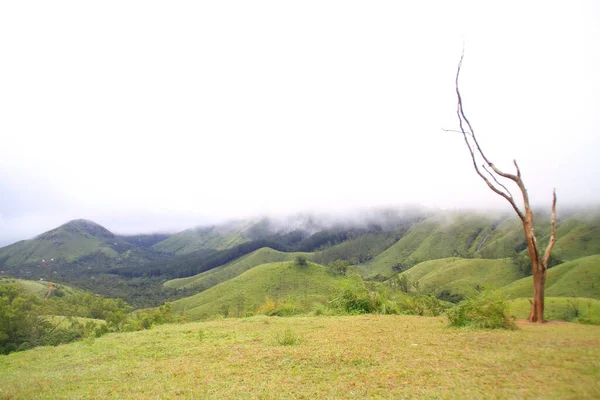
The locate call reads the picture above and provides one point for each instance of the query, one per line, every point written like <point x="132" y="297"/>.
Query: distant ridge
<point x="66" y="243"/>
<point x="77" y="226"/>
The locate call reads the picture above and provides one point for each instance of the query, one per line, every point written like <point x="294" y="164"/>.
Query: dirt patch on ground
<point x="526" y="322"/>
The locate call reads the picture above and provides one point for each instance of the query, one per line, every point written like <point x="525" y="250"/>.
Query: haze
<point x="149" y="116"/>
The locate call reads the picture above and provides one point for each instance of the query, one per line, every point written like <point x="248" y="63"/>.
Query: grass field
<point x="577" y="278"/>
<point x="230" y="270"/>
<point x="461" y="276"/>
<point x="330" y="357"/>
<point x="218" y="238"/>
<point x="560" y="308"/>
<point x="39" y="288"/>
<point x="303" y="285"/>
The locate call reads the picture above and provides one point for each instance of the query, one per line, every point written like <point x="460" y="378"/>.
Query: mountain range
<point x="447" y="254"/>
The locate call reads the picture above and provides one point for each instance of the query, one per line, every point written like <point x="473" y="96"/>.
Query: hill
<point x="482" y="236"/>
<point x="40" y="288"/>
<point x="371" y="356"/>
<point x="453" y="278"/>
<point x="577" y="278"/>
<point x="66" y="243"/>
<point x="303" y="285"/>
<point x="561" y="309"/>
<point x="230" y="270"/>
<point x="213" y="237"/>
<point x="440" y="236"/>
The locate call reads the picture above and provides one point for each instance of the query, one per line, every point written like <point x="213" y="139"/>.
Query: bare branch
<point x="462" y="117"/>
<point x="517" y="167"/>
<point x="496" y="180"/>
<point x="546" y="258"/>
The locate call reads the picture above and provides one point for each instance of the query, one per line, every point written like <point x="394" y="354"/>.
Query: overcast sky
<point x="156" y="115"/>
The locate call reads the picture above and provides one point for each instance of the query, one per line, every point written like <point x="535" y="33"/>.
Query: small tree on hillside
<point x="301" y="260"/>
<point x="492" y="176"/>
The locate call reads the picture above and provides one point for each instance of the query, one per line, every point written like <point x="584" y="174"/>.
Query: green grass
<point x="560" y="308"/>
<point x="337" y="357"/>
<point x="303" y="285"/>
<point x="360" y="249"/>
<point x="440" y="236"/>
<point x="68" y="242"/>
<point x="461" y="276"/>
<point x="577" y="278"/>
<point x="40" y="288"/>
<point x="577" y="238"/>
<point x="217" y="238"/>
<point x="472" y="235"/>
<point x="230" y="270"/>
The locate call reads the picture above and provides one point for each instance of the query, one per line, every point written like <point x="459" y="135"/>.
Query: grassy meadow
<point x="366" y="356"/>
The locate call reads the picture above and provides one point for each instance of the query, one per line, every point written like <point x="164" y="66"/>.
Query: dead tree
<point x="493" y="176"/>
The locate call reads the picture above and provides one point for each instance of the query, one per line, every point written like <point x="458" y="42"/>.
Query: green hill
<point x="440" y="236"/>
<point x="66" y="243"/>
<point x="560" y="309"/>
<point x="577" y="278"/>
<point x="215" y="237"/>
<point x="492" y="237"/>
<point x="357" y="250"/>
<point x="40" y="288"/>
<point x="303" y="285"/>
<point x="460" y="276"/>
<point x="230" y="270"/>
<point x="577" y="238"/>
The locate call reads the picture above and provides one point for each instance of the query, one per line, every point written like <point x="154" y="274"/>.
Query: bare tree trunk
<point x="491" y="175"/>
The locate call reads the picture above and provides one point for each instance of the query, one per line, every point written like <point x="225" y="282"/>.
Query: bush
<point x="301" y="260"/>
<point x="287" y="337"/>
<point x="280" y="308"/>
<point x="488" y="310"/>
<point x="421" y="305"/>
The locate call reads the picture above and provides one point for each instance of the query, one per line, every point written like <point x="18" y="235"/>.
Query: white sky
<point x="148" y="115"/>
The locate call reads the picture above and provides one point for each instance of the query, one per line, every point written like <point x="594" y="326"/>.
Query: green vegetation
<point x="454" y="278"/>
<point x="436" y="237"/>
<point x="359" y="249"/>
<point x="66" y="243"/>
<point x="356" y="296"/>
<point x="370" y="356"/>
<point x="487" y="310"/>
<point x="230" y="270"/>
<point x="244" y="294"/>
<point x="26" y="321"/>
<point x="575" y="309"/>
<point x="215" y="238"/>
<point x="577" y="278"/>
<point x="41" y="288"/>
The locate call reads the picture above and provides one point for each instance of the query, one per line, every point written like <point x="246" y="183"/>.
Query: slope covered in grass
<point x="440" y="236"/>
<point x="577" y="238"/>
<point x="333" y="358"/>
<point x="303" y="285"/>
<point x="577" y="278"/>
<point x="214" y="237"/>
<point x="358" y="250"/>
<point x="483" y="236"/>
<point x="560" y="309"/>
<point x="461" y="276"/>
<point x="230" y="270"/>
<point x="68" y="242"/>
<point x="40" y="288"/>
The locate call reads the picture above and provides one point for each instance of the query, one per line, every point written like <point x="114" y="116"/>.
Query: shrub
<point x="422" y="305"/>
<point x="301" y="260"/>
<point x="287" y="337"/>
<point x="281" y="308"/>
<point x="488" y="310"/>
